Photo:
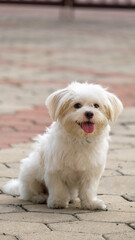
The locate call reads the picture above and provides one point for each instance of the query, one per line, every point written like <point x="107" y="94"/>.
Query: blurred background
<point x="44" y="48"/>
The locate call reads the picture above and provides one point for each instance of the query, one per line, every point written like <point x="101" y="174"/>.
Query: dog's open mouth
<point x="87" y="127"/>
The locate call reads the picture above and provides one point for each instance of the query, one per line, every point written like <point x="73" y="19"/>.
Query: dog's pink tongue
<point x="88" y="127"/>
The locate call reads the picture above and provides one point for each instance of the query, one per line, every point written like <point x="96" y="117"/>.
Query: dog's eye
<point x="96" y="105"/>
<point x="77" y="105"/>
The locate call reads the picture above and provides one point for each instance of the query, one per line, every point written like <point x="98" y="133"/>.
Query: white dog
<point x="69" y="159"/>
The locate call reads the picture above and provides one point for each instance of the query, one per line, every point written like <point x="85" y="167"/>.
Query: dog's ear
<point x="58" y="102"/>
<point x="114" y="107"/>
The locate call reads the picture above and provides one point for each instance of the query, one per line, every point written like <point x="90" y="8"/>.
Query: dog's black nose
<point x="89" y="115"/>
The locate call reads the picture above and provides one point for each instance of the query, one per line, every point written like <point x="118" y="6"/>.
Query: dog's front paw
<point x="56" y="204"/>
<point x="97" y="204"/>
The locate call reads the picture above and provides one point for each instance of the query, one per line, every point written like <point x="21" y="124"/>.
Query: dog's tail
<point x="11" y="187"/>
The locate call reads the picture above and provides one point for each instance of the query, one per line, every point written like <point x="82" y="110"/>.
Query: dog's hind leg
<point x="31" y="179"/>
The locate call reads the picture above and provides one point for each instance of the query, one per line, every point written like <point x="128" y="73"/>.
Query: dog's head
<point x="84" y="109"/>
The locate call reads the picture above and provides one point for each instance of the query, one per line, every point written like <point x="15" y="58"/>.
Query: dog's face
<point x="83" y="109"/>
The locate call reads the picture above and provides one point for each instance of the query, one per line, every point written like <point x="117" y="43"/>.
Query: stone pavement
<point x="40" y="51"/>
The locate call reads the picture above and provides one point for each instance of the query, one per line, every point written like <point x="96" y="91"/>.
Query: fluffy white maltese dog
<point x="69" y="159"/>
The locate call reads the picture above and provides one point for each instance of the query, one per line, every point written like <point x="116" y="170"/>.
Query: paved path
<point x="40" y="52"/>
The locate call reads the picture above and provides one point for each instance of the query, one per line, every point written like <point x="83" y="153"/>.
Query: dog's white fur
<point x="68" y="162"/>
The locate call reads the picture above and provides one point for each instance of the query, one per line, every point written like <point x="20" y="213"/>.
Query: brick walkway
<point x="40" y="52"/>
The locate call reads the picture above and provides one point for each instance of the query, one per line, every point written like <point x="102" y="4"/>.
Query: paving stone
<point x="123" y="130"/>
<point x="16" y="100"/>
<point x="12" y="108"/>
<point x="90" y="227"/>
<point x="118" y="129"/>
<point x="10" y="172"/>
<point x="119" y="165"/>
<point x="117" y="203"/>
<point x="127" y="172"/>
<point x="114" y="167"/>
<point x="21" y="147"/>
<point x="118" y="236"/>
<point x="124" y="155"/>
<point x="4" y="208"/>
<point x="127" y="116"/>
<point x="15" y="166"/>
<point x="61" y="236"/>
<point x="108" y="216"/>
<point x="111" y="172"/>
<point x="10" y="200"/>
<point x="72" y="209"/>
<point x="23" y="126"/>
<point x="116" y="185"/>
<point x="37" y="217"/>
<point x="15" y="228"/>
<point x="132" y="225"/>
<point x="121" y="142"/>
<point x="129" y="197"/>
<point x="15" y="154"/>
<point x="7" y="237"/>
